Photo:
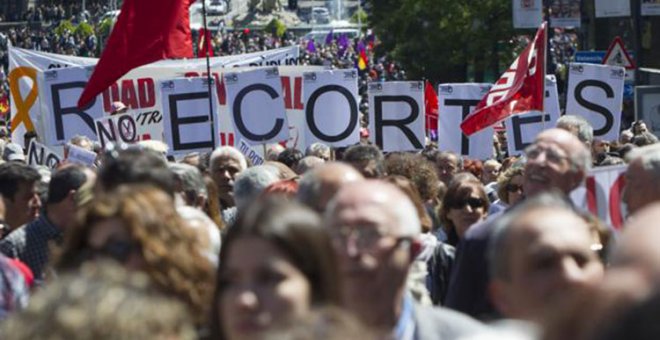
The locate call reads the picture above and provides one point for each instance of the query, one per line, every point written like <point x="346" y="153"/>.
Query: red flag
<point x="204" y="43"/>
<point x="146" y="31"/>
<point x="519" y="89"/>
<point x="431" y="107"/>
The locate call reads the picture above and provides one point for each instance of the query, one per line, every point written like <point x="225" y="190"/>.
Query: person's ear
<point x="498" y="293"/>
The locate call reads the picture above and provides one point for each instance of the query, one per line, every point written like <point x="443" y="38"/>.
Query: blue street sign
<point x="628" y="91"/>
<point x="593" y="57"/>
<point x="590" y="57"/>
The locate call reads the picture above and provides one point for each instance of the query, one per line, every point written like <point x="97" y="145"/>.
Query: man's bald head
<point x="320" y="184"/>
<point x="384" y="199"/>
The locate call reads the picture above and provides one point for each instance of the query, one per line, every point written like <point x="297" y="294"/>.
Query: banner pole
<point x="208" y="45"/>
<point x="546" y="41"/>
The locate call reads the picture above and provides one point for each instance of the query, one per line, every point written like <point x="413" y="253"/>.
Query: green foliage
<point x="65" y="25"/>
<point x="276" y="27"/>
<point x="84" y="29"/>
<point x="360" y="16"/>
<point x="441" y="40"/>
<point x="105" y="27"/>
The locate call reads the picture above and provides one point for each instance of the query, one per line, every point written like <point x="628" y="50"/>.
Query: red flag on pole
<point x="519" y="89"/>
<point x="204" y="43"/>
<point x="431" y="107"/>
<point x="146" y="31"/>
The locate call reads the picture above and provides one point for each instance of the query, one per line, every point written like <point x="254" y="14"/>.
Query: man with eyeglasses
<point x="375" y="230"/>
<point x="557" y="161"/>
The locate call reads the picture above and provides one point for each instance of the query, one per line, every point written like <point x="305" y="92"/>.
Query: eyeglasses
<point x="514" y="187"/>
<point x="552" y="155"/>
<point x="474" y="203"/>
<point x="364" y="237"/>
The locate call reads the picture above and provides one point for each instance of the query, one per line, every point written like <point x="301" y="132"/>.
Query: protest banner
<point x="527" y="13"/>
<point x="331" y="107"/>
<point x="137" y="89"/>
<point x="456" y="102"/>
<point x="609" y="8"/>
<point x="650" y="7"/>
<point x="595" y="92"/>
<point x="522" y="129"/>
<point x="130" y="127"/>
<point x="62" y="119"/>
<point x="254" y="98"/>
<point x="396" y="119"/>
<point x="78" y="155"/>
<point x="601" y="194"/>
<point x="565" y="13"/>
<point x="249" y="153"/>
<point x="187" y="122"/>
<point x="39" y="154"/>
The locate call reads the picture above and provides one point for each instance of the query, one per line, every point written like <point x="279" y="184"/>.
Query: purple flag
<point x="328" y="38"/>
<point x="311" y="48"/>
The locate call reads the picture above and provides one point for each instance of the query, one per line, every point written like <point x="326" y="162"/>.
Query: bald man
<point x="540" y="255"/>
<point x="320" y="184"/>
<point x="375" y="230"/>
<point x="556" y="161"/>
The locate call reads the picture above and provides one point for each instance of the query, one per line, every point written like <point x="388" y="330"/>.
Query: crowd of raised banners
<point x="261" y="98"/>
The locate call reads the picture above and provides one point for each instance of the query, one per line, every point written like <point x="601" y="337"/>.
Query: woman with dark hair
<point x="276" y="263"/>
<point x="464" y="204"/>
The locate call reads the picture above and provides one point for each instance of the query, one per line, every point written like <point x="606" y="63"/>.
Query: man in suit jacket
<point x="375" y="230"/>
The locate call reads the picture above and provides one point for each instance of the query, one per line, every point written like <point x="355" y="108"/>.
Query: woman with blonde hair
<point x="139" y="227"/>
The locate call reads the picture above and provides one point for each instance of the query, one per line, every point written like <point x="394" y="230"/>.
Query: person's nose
<point x="246" y="299"/>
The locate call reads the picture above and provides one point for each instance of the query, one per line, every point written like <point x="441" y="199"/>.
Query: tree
<point x="441" y="40"/>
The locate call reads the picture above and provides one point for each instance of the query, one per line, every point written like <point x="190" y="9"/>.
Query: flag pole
<point x="546" y="41"/>
<point x="208" y="45"/>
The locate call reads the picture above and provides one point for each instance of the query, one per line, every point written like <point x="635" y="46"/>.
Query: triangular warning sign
<point x="617" y="55"/>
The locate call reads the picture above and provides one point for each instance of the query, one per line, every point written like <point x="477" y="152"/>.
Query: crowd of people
<point x="328" y="243"/>
<point x="337" y="243"/>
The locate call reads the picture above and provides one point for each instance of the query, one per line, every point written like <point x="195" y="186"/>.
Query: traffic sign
<point x="617" y="55"/>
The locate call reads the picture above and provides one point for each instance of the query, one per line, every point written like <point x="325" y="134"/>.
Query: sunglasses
<point x="514" y="187"/>
<point x="474" y="203"/>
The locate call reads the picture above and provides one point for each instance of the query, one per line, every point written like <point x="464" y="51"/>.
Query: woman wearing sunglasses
<point x="464" y="204"/>
<point x="509" y="189"/>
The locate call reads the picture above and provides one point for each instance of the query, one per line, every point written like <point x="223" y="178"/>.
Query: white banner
<point x="251" y="154"/>
<point x="609" y="8"/>
<point x="331" y="107"/>
<point x="292" y="93"/>
<point x="62" y="120"/>
<point x="256" y="104"/>
<point x="396" y="115"/>
<point x="187" y="122"/>
<point x="130" y="127"/>
<point x="522" y="129"/>
<point x="650" y="7"/>
<point x="601" y="194"/>
<point x="565" y="13"/>
<point x="527" y="13"/>
<point x="136" y="89"/>
<point x="78" y="155"/>
<point x="39" y="154"/>
<point x="595" y="92"/>
<point x="456" y="101"/>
